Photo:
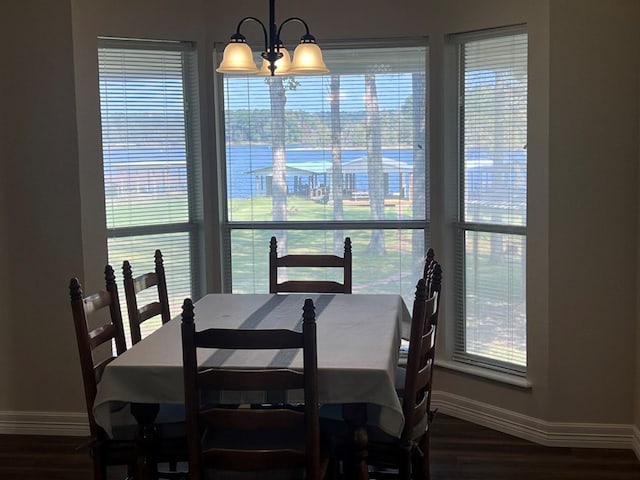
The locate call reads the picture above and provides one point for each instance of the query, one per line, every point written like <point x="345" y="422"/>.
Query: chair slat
<point x="306" y="286"/>
<point x="248" y="339"/>
<point x="243" y="380"/>
<point x="252" y="419"/>
<point x="311" y="261"/>
<point x="145" y="281"/>
<point x="95" y="302"/>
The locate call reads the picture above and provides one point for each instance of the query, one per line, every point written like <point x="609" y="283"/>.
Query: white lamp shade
<point x="283" y="65"/>
<point x="237" y="58"/>
<point x="307" y="60"/>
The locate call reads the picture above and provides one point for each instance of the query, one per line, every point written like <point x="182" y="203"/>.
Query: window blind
<point x="313" y="159"/>
<point x="150" y="143"/>
<point x="491" y="245"/>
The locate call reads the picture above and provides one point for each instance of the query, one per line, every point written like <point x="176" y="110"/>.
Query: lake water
<point x="241" y="160"/>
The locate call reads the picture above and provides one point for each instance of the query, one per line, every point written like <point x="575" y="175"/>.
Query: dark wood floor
<point x="460" y="450"/>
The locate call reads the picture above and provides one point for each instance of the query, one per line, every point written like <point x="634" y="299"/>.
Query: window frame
<point x="227" y="226"/>
<point x="193" y="226"/>
<point x="457" y="352"/>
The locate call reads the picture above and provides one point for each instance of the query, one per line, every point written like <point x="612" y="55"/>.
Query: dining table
<point x="358" y="339"/>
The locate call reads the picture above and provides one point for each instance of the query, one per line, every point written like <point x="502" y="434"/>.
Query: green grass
<point x="496" y="298"/>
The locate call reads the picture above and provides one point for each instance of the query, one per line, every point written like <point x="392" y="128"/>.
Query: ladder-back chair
<point x="121" y="450"/>
<point x="134" y="286"/>
<point x="306" y="261"/>
<point x="270" y="438"/>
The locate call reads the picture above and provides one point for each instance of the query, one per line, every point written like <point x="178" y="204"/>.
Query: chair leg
<point x="131" y="471"/>
<point x="421" y="460"/>
<point x="405" y="464"/>
<point x="99" y="465"/>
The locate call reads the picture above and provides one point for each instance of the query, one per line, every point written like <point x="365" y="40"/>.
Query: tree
<point x="278" y="98"/>
<point x="279" y="179"/>
<point x="375" y="172"/>
<point x="336" y="162"/>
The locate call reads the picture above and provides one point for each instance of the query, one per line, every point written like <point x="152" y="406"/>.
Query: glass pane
<point x="142" y="109"/>
<point x="345" y="146"/>
<point x="396" y="269"/>
<point x="495" y="192"/>
<point x="495" y="130"/>
<point x="495" y="304"/>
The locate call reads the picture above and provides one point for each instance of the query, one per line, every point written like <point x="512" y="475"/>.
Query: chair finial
<point x="347" y="244"/>
<point x="109" y="275"/>
<point x="126" y="269"/>
<point x="436" y="279"/>
<point x="187" y="311"/>
<point x="158" y="257"/>
<point x="75" y="289"/>
<point x="308" y="311"/>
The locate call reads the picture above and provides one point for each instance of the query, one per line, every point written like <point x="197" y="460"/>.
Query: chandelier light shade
<point x="307" y="60"/>
<point x="237" y="57"/>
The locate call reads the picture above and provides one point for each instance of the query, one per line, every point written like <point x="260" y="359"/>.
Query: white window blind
<point x="313" y="159"/>
<point x="150" y="144"/>
<point x="491" y="246"/>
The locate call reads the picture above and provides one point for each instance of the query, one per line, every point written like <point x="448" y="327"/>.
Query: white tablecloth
<point x="358" y="340"/>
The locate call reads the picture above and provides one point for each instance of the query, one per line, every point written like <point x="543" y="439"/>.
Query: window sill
<point x="500" y="377"/>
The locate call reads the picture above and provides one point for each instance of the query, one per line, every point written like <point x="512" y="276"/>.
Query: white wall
<point x="41" y="246"/>
<point x="583" y="152"/>
<point x="593" y="190"/>
<point x="5" y="226"/>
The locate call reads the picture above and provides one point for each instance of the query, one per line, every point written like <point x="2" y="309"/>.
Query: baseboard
<point x="44" y="423"/>
<point x="554" y="434"/>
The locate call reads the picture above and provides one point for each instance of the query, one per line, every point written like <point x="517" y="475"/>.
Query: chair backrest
<point x="309" y="260"/>
<point x="138" y="314"/>
<point x="433" y="281"/>
<point x="89" y="340"/>
<point x="211" y="416"/>
<point x="417" y="388"/>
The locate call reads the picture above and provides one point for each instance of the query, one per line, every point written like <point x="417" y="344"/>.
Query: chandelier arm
<point x="291" y="19"/>
<point x="264" y="29"/>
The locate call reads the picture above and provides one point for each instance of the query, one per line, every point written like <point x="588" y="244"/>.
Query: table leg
<point x="355" y="416"/>
<point x="147" y="438"/>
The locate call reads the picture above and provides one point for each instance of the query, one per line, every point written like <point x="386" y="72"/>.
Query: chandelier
<point x="237" y="57"/>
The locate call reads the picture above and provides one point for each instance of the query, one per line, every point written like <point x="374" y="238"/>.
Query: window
<point x="492" y="218"/>
<point x="313" y="159"/>
<point x="150" y="143"/>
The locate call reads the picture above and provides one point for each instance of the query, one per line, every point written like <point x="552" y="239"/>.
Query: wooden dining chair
<point x="308" y="261"/>
<point x="407" y="457"/>
<point x="231" y="438"/>
<point x="95" y="347"/>
<point x="135" y="286"/>
<point x="121" y="450"/>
